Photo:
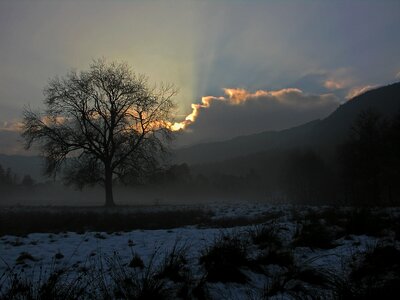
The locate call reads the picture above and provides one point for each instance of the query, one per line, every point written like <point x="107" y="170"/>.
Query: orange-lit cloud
<point x="288" y="97"/>
<point x="338" y="83"/>
<point x="190" y="118"/>
<point x="359" y="90"/>
<point x="10" y="126"/>
<point x="339" y="79"/>
<point x="334" y="85"/>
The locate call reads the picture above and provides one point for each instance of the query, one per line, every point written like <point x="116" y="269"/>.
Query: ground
<point x="235" y="251"/>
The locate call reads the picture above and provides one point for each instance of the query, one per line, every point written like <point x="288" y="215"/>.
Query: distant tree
<point x="392" y="163"/>
<point x="27" y="181"/>
<point x="174" y="174"/>
<point x="306" y="178"/>
<point x="7" y="178"/>
<point x="364" y="159"/>
<point x="10" y="178"/>
<point x="101" y="124"/>
<point x="2" y="175"/>
<point x="179" y="173"/>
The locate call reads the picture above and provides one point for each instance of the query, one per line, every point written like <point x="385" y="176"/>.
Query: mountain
<point x="320" y="134"/>
<point x="326" y="134"/>
<point x="333" y="129"/>
<point x="216" y="151"/>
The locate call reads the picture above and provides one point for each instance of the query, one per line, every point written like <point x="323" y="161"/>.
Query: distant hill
<point x="319" y="134"/>
<point x="243" y="145"/>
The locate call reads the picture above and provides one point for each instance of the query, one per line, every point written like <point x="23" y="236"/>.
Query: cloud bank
<point x="241" y="112"/>
<point x="359" y="90"/>
<point x="237" y="112"/>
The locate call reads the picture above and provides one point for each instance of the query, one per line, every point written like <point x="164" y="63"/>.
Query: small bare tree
<point x="101" y="124"/>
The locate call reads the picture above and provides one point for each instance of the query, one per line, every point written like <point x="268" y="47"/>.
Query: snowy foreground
<point x="279" y="263"/>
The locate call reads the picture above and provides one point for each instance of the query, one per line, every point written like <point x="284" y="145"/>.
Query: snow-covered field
<point x="37" y="255"/>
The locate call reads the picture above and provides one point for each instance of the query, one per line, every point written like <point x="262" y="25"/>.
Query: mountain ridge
<point x="324" y="133"/>
<point x="317" y="134"/>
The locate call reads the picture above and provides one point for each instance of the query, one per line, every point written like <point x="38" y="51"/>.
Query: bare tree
<point x="101" y="124"/>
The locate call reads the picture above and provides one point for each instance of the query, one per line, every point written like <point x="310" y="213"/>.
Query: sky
<point x="288" y="62"/>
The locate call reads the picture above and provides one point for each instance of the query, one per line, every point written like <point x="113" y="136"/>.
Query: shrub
<point x="82" y="219"/>
<point x="130" y="284"/>
<point x="174" y="263"/>
<point x="59" y="255"/>
<point x="375" y="274"/>
<point x="314" y="234"/>
<point x="280" y="257"/>
<point x="266" y="235"/>
<point x="365" y="221"/>
<point x="136" y="262"/>
<point x="224" y="258"/>
<point x="298" y="281"/>
<point x="57" y="284"/>
<point x="229" y="222"/>
<point x="23" y="256"/>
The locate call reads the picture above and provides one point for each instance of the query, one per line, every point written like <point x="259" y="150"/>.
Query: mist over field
<point x="199" y="150"/>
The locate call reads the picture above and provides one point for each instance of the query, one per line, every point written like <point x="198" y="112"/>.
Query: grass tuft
<point x="223" y="259"/>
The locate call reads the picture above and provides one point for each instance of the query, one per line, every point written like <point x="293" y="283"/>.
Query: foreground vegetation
<point x="292" y="253"/>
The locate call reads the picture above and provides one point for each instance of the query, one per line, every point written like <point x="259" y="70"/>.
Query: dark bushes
<point x="314" y="234"/>
<point x="266" y="235"/>
<point x="224" y="258"/>
<point x="375" y="275"/>
<point x="79" y="220"/>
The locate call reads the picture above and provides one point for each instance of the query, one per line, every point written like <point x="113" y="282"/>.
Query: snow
<point x="79" y="249"/>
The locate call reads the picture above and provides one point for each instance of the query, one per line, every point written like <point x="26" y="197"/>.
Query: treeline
<point x="370" y="161"/>
<point x="10" y="180"/>
<point x="365" y="171"/>
<point x="299" y="176"/>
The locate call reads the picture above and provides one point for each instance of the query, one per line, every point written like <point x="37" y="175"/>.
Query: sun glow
<point x="233" y="96"/>
<point x="191" y="118"/>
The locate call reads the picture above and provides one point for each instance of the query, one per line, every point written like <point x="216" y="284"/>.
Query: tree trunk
<point x="109" y="188"/>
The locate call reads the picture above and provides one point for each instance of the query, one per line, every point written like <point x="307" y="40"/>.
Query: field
<point x="224" y="251"/>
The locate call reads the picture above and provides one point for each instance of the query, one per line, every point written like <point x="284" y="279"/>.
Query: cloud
<point x="359" y="90"/>
<point x="339" y="79"/>
<point x="334" y="85"/>
<point x="241" y="112"/>
<point x="237" y="112"/>
<point x="11" y="140"/>
<point x="397" y="75"/>
<point x="11" y="126"/>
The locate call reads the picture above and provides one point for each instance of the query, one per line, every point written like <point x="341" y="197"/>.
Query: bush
<point x="58" y="284"/>
<point x="379" y="271"/>
<point x="127" y="283"/>
<point x="174" y="263"/>
<point x="365" y="221"/>
<point x="224" y="258"/>
<point x="266" y="235"/>
<point x="314" y="234"/>
<point x="136" y="262"/>
<point x="298" y="281"/>
<point x="82" y="219"/>
<point x="375" y="275"/>
<point x="280" y="257"/>
<point x="23" y="257"/>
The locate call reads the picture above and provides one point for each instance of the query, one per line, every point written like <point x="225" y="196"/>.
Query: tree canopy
<point x="101" y="124"/>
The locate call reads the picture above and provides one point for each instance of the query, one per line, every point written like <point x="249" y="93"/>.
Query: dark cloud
<point x="241" y="112"/>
